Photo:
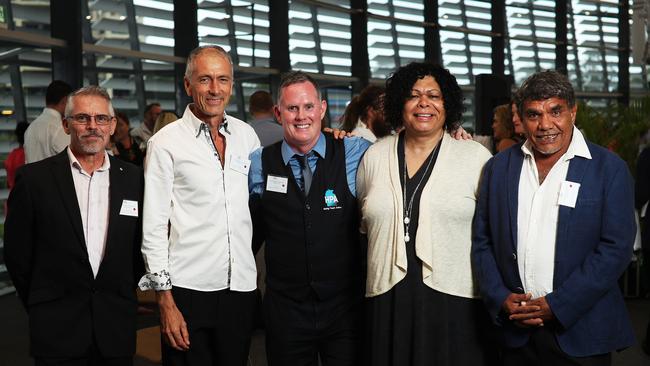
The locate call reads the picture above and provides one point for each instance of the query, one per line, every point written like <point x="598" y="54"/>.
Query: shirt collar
<point x="319" y="148"/>
<point x="75" y="163"/>
<point x="196" y="124"/>
<point x="577" y="147"/>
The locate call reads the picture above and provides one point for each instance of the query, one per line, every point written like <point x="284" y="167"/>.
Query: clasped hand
<point x="527" y="312"/>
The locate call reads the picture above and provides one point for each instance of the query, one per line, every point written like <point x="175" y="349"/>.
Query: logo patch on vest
<point x="331" y="201"/>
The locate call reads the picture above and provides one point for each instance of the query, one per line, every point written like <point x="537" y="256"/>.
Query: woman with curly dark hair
<point x="417" y="193"/>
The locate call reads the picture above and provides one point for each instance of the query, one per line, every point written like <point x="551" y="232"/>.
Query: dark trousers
<point x="220" y="325"/>
<point x="92" y="359"/>
<point x="542" y="349"/>
<point x="298" y="333"/>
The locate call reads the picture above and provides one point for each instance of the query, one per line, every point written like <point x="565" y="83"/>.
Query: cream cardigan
<point x="445" y="224"/>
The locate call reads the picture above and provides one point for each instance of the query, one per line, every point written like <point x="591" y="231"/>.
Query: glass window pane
<point x="31" y="16"/>
<point x="465" y="54"/>
<point x="392" y="43"/>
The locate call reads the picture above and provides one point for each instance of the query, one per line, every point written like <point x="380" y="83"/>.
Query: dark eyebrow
<point x="532" y="110"/>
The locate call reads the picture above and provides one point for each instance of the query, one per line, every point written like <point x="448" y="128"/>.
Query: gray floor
<point x="14" y="336"/>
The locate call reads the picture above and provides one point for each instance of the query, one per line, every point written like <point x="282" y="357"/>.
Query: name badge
<point x="275" y="183"/>
<point x="239" y="164"/>
<point x="129" y="208"/>
<point x="568" y="194"/>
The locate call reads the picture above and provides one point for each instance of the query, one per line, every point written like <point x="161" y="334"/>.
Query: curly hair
<point x="400" y="83"/>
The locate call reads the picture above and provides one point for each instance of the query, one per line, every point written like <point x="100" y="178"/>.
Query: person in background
<point x="143" y="133"/>
<point x="553" y="232"/>
<point x="16" y="157"/>
<point x="164" y="118"/>
<point x="364" y="115"/>
<point x="124" y="146"/>
<point x="260" y="107"/>
<point x="503" y="128"/>
<point x="417" y="194"/>
<point x="45" y="136"/>
<point x="642" y="203"/>
<point x="520" y="134"/>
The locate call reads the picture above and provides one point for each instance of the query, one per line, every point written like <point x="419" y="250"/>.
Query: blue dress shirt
<point x="355" y="147"/>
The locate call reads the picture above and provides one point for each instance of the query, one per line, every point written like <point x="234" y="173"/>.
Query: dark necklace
<point x="408" y="209"/>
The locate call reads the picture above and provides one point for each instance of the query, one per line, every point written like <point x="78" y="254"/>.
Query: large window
<point x="319" y="38"/>
<point x="395" y="35"/>
<point x="596" y="36"/>
<point x="465" y="54"/>
<point x="319" y="41"/>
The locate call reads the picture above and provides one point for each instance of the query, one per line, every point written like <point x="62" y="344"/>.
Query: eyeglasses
<point x="84" y="119"/>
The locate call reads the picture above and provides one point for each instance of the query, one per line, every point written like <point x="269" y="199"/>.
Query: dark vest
<point x="312" y="243"/>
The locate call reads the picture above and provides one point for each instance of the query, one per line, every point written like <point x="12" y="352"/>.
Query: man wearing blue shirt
<point x="304" y="207"/>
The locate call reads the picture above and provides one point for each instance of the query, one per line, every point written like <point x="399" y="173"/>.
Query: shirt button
<point x="514" y="256"/>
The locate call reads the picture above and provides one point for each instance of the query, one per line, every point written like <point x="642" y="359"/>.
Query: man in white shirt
<point x="202" y="269"/>
<point x="72" y="243"/>
<point x="553" y="231"/>
<point x="45" y="136"/>
<point x="142" y="133"/>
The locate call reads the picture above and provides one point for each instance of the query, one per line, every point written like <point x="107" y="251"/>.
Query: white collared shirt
<point x="537" y="216"/>
<point x="45" y="136"/>
<point x="209" y="246"/>
<point x="93" y="199"/>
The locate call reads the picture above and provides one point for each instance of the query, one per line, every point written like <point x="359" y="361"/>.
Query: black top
<point x="411" y="184"/>
<point x="133" y="154"/>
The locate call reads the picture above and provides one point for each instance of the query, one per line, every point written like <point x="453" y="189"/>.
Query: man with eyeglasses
<point x="201" y="265"/>
<point x="72" y="243"/>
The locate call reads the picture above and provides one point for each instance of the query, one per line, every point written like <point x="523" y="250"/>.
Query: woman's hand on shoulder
<point x="461" y="134"/>
<point x="338" y="134"/>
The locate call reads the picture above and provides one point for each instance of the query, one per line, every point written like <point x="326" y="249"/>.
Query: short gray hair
<point x="543" y="85"/>
<point x="189" y="67"/>
<point x="90" y="90"/>
<point x="296" y="77"/>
